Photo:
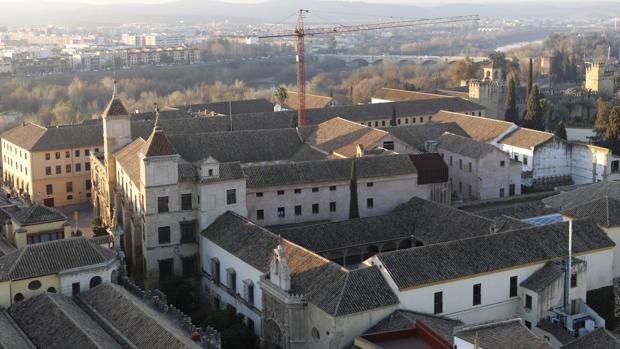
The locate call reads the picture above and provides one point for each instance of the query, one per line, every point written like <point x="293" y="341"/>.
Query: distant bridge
<point x="373" y="59"/>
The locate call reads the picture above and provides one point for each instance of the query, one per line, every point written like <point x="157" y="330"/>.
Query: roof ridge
<point x="344" y="286"/>
<point x="475" y="116"/>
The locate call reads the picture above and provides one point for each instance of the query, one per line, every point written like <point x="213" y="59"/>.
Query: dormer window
<point x="210" y="172"/>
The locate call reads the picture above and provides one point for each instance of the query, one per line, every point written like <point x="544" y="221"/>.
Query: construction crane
<point x="300" y="32"/>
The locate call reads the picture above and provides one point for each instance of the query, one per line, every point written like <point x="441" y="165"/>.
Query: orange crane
<point x="301" y="31"/>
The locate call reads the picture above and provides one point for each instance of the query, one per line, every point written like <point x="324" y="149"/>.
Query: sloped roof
<point x="393" y="94"/>
<point x="342" y="136"/>
<point x="477" y="127"/>
<point x="465" y="146"/>
<point x="527" y="138"/>
<point x="11" y="336"/>
<point x="604" y="211"/>
<point x="486" y="253"/>
<point x="36" y="138"/>
<point x="312" y="101"/>
<point x="587" y="193"/>
<point x="431" y="168"/>
<point x="115" y="108"/>
<point x="158" y="144"/>
<point x="55" y="321"/>
<point x="509" y="334"/>
<point x="599" y="339"/>
<point x="417" y="135"/>
<point x="52" y="257"/>
<point x="271" y="175"/>
<point x="547" y="274"/>
<point x="324" y="284"/>
<point x="402" y="319"/>
<point x="141" y="325"/>
<point x="129" y="160"/>
<point x="37" y="214"/>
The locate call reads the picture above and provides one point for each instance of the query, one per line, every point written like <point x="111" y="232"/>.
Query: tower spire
<point x="157" y="127"/>
<point x="114" y="85"/>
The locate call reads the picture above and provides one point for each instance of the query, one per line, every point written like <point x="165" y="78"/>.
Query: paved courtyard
<point x="85" y="216"/>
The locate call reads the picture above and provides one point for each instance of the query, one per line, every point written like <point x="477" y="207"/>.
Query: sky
<point x="419" y="2"/>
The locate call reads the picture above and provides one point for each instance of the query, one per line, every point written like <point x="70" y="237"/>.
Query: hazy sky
<point x="420" y="2"/>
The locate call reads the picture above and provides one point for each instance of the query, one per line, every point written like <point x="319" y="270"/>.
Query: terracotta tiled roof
<point x="510" y="334"/>
<point x="479" y="128"/>
<point x="527" y="138"/>
<point x="312" y="101"/>
<point x="158" y="144"/>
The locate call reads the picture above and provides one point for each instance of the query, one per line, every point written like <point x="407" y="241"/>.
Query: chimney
<point x="359" y="151"/>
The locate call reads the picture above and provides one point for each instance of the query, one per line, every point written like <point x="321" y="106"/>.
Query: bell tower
<point x="116" y="135"/>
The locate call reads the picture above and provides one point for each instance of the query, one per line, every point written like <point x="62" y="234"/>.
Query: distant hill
<point x="20" y="12"/>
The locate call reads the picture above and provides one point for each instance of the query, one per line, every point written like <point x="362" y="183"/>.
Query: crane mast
<point x="301" y="32"/>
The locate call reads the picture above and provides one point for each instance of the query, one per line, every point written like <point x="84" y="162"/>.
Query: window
<point x="280" y="192"/>
<point x="215" y="269"/>
<point x="477" y="294"/>
<point x="51" y="289"/>
<point x="438" y="303"/>
<point x="413" y="120"/>
<point x="96" y="150"/>
<point x="75" y="288"/>
<point x="524" y="160"/>
<point x="231" y="196"/>
<point x="370" y="203"/>
<point x="469" y="166"/>
<point x="186" y="202"/>
<point x="332" y="188"/>
<point x="78" y="167"/>
<point x="49" y="189"/>
<point x="95" y="281"/>
<point x="298" y="210"/>
<point x="528" y="325"/>
<point x="406" y="121"/>
<point x="89" y="184"/>
<point x="57" y="155"/>
<point x="87" y="166"/>
<point x="332" y="206"/>
<point x="516" y="157"/>
<point x="281" y="212"/>
<point x="460" y="187"/>
<point x="250" y="293"/>
<point x="315" y="190"/>
<point x="47" y="156"/>
<point x="68" y="168"/>
<point x="460" y="164"/>
<point x="469" y="189"/>
<point x="86" y="152"/>
<point x="67" y="154"/>
<point x="511" y="189"/>
<point x="370" y="184"/>
<point x="528" y="301"/>
<point x="450" y="160"/>
<point x="165" y="268"/>
<point x="383" y="123"/>
<point x="513" y="286"/>
<point x="163" y="234"/>
<point x="162" y="204"/>
<point x="315" y="208"/>
<point x="188" y="232"/>
<point x="69" y="197"/>
<point x="259" y="194"/>
<point x="502" y="163"/>
<point x="573" y="280"/>
<point x="501" y="192"/>
<point x="77" y="153"/>
<point x="232" y="279"/>
<point x="58" y="169"/>
<point x="389" y="145"/>
<point x="189" y="265"/>
<point x="48" y="171"/>
<point x="297" y="191"/>
<point x="18" y="297"/>
<point x="260" y="215"/>
<point x="69" y="187"/>
<point x="34" y="285"/>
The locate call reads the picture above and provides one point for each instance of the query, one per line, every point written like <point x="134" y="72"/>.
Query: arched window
<point x="51" y="290"/>
<point x="96" y="280"/>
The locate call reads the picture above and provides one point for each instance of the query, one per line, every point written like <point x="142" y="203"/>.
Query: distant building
<point x="602" y="79"/>
<point x="312" y="101"/>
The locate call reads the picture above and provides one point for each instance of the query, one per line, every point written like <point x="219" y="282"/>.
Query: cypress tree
<point x="602" y="118"/>
<point x="393" y="119"/>
<point x="561" y="131"/>
<point x="534" y="114"/>
<point x="530" y="78"/>
<point x="511" y="113"/>
<point x="353" y="208"/>
<point x="612" y="133"/>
